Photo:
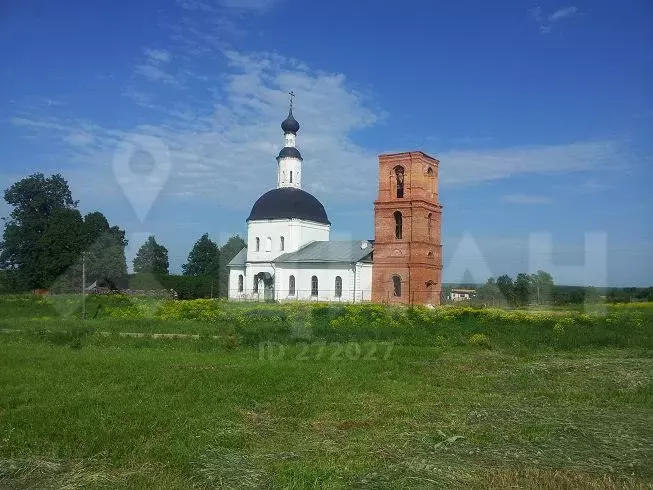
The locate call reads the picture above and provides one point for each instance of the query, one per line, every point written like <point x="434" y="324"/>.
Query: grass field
<point x="311" y="396"/>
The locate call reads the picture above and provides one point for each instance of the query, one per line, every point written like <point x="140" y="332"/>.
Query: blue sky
<point x="540" y="113"/>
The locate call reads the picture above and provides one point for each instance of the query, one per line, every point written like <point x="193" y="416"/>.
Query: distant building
<point x="461" y="294"/>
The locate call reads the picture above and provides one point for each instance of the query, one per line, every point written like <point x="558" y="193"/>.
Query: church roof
<point x="340" y="251"/>
<point x="290" y="124"/>
<point x="239" y="259"/>
<point x="290" y="151"/>
<point x="288" y="203"/>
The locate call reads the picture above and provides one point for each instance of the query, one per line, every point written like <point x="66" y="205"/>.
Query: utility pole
<point x="83" y="285"/>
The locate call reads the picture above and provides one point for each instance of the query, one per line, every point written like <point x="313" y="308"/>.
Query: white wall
<point x="356" y="282"/>
<point x="284" y="167"/>
<point x="296" y="232"/>
<point x="234" y="272"/>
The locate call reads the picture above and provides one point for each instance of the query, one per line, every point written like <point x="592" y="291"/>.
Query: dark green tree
<point x="151" y="258"/>
<point x="203" y="259"/>
<point x="523" y="289"/>
<point x="62" y="248"/>
<point x="507" y="288"/>
<point x="227" y="252"/>
<point x="25" y="248"/>
<point x="105" y="251"/>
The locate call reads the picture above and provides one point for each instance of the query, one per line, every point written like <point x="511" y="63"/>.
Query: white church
<point x="289" y="254"/>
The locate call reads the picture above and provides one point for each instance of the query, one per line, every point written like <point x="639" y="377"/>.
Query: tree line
<point x="539" y="289"/>
<point x="46" y="241"/>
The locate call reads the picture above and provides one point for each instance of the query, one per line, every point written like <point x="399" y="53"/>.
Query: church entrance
<point x="267" y="281"/>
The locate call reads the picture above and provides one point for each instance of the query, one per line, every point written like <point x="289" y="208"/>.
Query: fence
<point x="346" y="296"/>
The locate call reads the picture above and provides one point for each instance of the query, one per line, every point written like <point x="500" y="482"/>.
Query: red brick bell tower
<point x="407" y="221"/>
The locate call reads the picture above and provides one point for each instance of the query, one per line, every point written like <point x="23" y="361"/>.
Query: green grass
<point x="397" y="399"/>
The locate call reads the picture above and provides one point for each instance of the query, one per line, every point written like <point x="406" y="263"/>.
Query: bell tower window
<point x="396" y="286"/>
<point x="398" y="225"/>
<point x="399" y="177"/>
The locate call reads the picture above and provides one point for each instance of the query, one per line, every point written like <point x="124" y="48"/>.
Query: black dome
<point x="288" y="202"/>
<point x="289" y="151"/>
<point x="290" y="125"/>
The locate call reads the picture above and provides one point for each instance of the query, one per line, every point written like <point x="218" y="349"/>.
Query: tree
<point x="542" y="285"/>
<point x="105" y="251"/>
<point x="522" y="289"/>
<point x="489" y="292"/>
<point x="25" y="247"/>
<point x="203" y="259"/>
<point x="151" y="258"/>
<point x="228" y="251"/>
<point x="507" y="288"/>
<point x="62" y="248"/>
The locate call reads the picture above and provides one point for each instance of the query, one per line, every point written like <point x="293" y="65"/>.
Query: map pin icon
<point x="142" y="167"/>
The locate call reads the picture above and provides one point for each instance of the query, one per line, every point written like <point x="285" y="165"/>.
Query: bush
<point x="480" y="339"/>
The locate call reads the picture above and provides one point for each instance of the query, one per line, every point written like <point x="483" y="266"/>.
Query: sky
<point x="165" y="114"/>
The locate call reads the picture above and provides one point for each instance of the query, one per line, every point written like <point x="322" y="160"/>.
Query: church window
<point x="291" y="176"/>
<point x="268" y="244"/>
<point x="399" y="176"/>
<point x="314" y="289"/>
<point x="256" y="284"/>
<point x="240" y="283"/>
<point x="398" y="225"/>
<point x="282" y="245"/>
<point x="396" y="285"/>
<point x="291" y="285"/>
<point x="429" y="218"/>
<point x="338" y="286"/>
<point x="258" y="244"/>
<point x="431" y="181"/>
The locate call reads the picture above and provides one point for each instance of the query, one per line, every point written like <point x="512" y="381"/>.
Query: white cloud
<point x="546" y="22"/>
<point x="525" y="199"/>
<point x="562" y="13"/>
<point x="476" y="166"/>
<point x="223" y="146"/>
<point x="156" y="74"/>
<point x="213" y="6"/>
<point x="79" y="138"/>
<point x="229" y="140"/>
<point x="157" y="55"/>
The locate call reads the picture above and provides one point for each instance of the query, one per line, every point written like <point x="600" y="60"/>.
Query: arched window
<point x="291" y="176"/>
<point x="398" y="225"/>
<point x="258" y="244"/>
<point x="256" y="283"/>
<point x="430" y="228"/>
<point x="282" y="245"/>
<point x="268" y="244"/>
<point x="431" y="181"/>
<point x="399" y="177"/>
<point x="240" y="283"/>
<point x="396" y="285"/>
<point x="314" y="289"/>
<point x="338" y="286"/>
<point x="291" y="285"/>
